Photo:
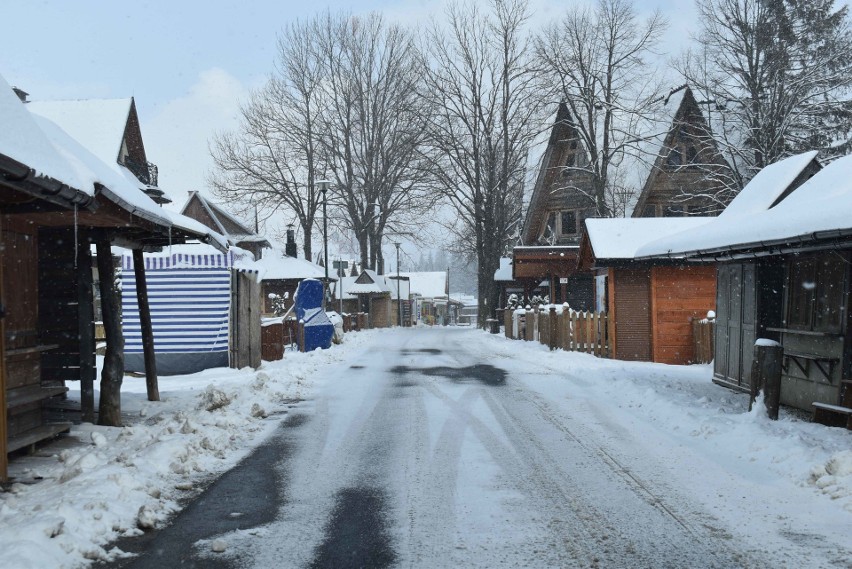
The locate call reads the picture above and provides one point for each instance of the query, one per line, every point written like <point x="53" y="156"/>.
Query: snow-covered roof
<point x="344" y="284"/>
<point x="22" y="139"/>
<point x="115" y="187"/>
<point x="275" y="265"/>
<point x="428" y="284"/>
<point x="822" y="204"/>
<point x="98" y="124"/>
<point x="620" y="238"/>
<point x="403" y="284"/>
<point x="376" y="283"/>
<point x="504" y="273"/>
<point x="768" y="185"/>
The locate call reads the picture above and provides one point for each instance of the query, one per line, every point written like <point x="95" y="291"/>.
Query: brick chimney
<point x="290" y="247"/>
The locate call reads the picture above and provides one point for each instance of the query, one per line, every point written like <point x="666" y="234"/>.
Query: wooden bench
<point x="28" y="399"/>
<point x="832" y="415"/>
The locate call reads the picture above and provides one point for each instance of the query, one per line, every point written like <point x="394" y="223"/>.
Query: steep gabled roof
<point x="543" y="161"/>
<point x="98" y="124"/>
<point x="216" y="218"/>
<point x="678" y="108"/>
<point x="817" y="210"/>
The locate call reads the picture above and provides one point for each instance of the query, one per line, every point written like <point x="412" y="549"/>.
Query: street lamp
<point x="398" y="276"/>
<point x="323" y="185"/>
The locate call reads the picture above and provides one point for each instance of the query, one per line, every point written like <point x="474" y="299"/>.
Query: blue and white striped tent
<point x="190" y="299"/>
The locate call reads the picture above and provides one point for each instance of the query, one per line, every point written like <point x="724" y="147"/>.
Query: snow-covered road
<point x="438" y="448"/>
<point x="435" y="448"/>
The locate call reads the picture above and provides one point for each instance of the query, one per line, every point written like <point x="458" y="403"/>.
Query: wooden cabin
<point x="215" y="217"/>
<point x="687" y="167"/>
<point x="560" y="201"/>
<point x="374" y="298"/>
<point x="785" y="251"/>
<point x="674" y="170"/>
<point x="749" y="291"/>
<point x="650" y="304"/>
<point x="57" y="199"/>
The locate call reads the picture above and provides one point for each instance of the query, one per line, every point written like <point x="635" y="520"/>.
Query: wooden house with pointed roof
<point x="686" y="167"/>
<point x="216" y="218"/>
<point x="550" y="237"/>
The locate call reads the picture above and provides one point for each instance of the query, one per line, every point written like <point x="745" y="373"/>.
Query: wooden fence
<point x="569" y="330"/>
<point x="703" y="334"/>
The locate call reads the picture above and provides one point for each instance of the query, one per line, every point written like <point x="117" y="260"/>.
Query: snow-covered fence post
<point x="508" y="322"/>
<point x="529" y="324"/>
<point x="553" y="324"/>
<point x="766" y="375"/>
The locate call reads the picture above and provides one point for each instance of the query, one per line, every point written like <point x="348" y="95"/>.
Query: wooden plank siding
<point x="679" y="295"/>
<point x="631" y="301"/>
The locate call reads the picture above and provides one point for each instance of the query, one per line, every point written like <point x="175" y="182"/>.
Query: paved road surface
<point x="421" y="453"/>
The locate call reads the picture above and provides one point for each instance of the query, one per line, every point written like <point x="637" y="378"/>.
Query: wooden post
<point x="146" y="326"/>
<point x="4" y="432"/>
<point x="766" y="375"/>
<point x="109" y="408"/>
<point x="596" y="327"/>
<point x="554" y="329"/>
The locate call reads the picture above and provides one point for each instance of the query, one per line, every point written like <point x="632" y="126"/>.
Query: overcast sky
<point x="188" y="63"/>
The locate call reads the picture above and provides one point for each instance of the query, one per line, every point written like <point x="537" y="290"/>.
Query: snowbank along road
<point x="427" y="451"/>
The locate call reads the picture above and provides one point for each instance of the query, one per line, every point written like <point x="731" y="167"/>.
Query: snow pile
<point x="123" y="481"/>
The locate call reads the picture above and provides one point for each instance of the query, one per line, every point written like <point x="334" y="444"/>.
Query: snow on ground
<point x="789" y="480"/>
<point x="772" y="480"/>
<point x="120" y="481"/>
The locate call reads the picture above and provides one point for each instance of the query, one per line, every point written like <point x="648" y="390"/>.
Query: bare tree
<point x="483" y="98"/>
<point x="777" y="75"/>
<point x="595" y="59"/>
<point x="272" y="159"/>
<point x="373" y="127"/>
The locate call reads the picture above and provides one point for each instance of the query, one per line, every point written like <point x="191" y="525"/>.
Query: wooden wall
<point x="679" y="294"/>
<point x="20" y="297"/>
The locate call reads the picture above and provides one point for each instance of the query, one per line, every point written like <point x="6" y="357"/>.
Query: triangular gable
<point x="365" y="278"/>
<point x="687" y="121"/>
<point x="214" y="217"/>
<point x="562" y="142"/>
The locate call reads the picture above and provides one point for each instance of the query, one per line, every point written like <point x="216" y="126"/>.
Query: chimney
<point x="22" y="95"/>
<point x="290" y="247"/>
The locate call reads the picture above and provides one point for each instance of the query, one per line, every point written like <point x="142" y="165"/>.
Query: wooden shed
<point x="650" y="304"/>
<point x="56" y="200"/>
<point x="785" y="252"/>
<point x="374" y="298"/>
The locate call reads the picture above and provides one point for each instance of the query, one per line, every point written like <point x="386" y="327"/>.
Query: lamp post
<point x="398" y="297"/>
<point x="323" y="185"/>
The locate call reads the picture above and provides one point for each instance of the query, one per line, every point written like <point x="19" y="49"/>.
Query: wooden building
<point x="784" y="251"/>
<point x="374" y="298"/>
<point x="686" y="165"/>
<point x="235" y="231"/>
<point x="650" y="303"/>
<point x="56" y="200"/>
<point x="674" y="170"/>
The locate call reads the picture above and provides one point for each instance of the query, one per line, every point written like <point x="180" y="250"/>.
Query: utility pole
<point x="323" y="184"/>
<point x="398" y="297"/>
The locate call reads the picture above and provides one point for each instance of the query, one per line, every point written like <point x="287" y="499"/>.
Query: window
<point x="674" y="158"/>
<point x="691" y="155"/>
<point x="649" y="211"/>
<point x="569" y="223"/>
<point x="815" y="293"/>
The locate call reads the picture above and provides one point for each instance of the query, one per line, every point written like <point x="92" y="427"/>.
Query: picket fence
<point x="569" y="330"/>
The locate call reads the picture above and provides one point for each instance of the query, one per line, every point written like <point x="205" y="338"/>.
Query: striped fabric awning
<point x="189" y="297"/>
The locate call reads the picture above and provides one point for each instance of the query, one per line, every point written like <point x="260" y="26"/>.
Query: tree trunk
<point x="308" y="229"/>
<point x="109" y="408"/>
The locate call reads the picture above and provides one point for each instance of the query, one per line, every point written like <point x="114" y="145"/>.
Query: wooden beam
<point x="109" y="408"/>
<point x="4" y="431"/>
<point x="146" y="326"/>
